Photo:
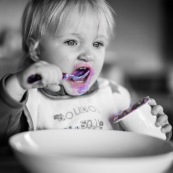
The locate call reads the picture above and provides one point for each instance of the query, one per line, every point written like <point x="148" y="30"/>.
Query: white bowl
<point x="91" y="151"/>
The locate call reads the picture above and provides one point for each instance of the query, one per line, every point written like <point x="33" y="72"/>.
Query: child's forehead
<point x="84" y="24"/>
<point x="79" y="21"/>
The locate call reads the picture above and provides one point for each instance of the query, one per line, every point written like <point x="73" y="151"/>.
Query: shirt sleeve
<point x="12" y="119"/>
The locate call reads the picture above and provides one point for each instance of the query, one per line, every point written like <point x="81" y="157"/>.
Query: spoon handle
<point x="67" y="76"/>
<point x="34" y="78"/>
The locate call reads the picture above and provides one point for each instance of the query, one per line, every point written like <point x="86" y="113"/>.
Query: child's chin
<point x="75" y="93"/>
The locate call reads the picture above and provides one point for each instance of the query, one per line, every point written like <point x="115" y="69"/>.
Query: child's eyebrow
<point x="69" y="34"/>
<point x="99" y="36"/>
<point x="102" y="37"/>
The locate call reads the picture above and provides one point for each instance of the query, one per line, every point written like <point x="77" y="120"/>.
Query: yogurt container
<point x="138" y="118"/>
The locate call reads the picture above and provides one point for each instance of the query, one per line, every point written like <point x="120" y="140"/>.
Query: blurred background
<point x="139" y="56"/>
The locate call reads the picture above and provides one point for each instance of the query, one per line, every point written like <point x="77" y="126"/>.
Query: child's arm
<point x="162" y="119"/>
<point x="13" y="96"/>
<point x="17" y="84"/>
<point x="12" y="120"/>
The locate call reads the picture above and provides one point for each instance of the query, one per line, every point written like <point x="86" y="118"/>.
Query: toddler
<point x="64" y="43"/>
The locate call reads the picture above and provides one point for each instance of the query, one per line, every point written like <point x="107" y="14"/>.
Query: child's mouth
<point x="82" y="74"/>
<point x="81" y="79"/>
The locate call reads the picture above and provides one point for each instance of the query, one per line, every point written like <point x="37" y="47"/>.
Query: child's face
<point x="76" y="49"/>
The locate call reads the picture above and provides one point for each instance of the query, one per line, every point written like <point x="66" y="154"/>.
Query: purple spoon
<point x="66" y="76"/>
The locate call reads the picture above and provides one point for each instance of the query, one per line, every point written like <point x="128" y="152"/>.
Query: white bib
<point x="92" y="111"/>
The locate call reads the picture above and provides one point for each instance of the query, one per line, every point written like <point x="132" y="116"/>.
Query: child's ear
<point x="33" y="49"/>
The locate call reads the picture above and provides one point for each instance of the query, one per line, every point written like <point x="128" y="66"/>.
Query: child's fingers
<point x="157" y="109"/>
<point x="54" y="87"/>
<point x="152" y="102"/>
<point x="167" y="128"/>
<point x="162" y="119"/>
<point x="37" y="84"/>
<point x="50" y="74"/>
<point x="41" y="63"/>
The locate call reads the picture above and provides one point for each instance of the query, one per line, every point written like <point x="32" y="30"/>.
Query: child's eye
<point x="71" y="43"/>
<point x="98" y="44"/>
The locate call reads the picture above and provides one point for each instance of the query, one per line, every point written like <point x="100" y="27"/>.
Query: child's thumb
<point x="54" y="87"/>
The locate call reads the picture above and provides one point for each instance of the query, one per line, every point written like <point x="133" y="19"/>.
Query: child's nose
<point x="86" y="57"/>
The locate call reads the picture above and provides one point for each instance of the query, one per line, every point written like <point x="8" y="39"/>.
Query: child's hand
<point x="162" y="118"/>
<point x="51" y="76"/>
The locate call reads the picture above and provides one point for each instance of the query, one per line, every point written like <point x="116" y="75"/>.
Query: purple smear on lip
<point x="83" y="90"/>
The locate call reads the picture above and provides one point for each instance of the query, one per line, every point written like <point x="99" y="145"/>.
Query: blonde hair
<point x="42" y="16"/>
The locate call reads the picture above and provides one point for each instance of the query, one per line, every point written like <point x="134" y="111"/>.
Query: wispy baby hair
<point x="47" y="16"/>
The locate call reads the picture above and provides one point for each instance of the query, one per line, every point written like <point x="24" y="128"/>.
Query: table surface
<point x="9" y="163"/>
